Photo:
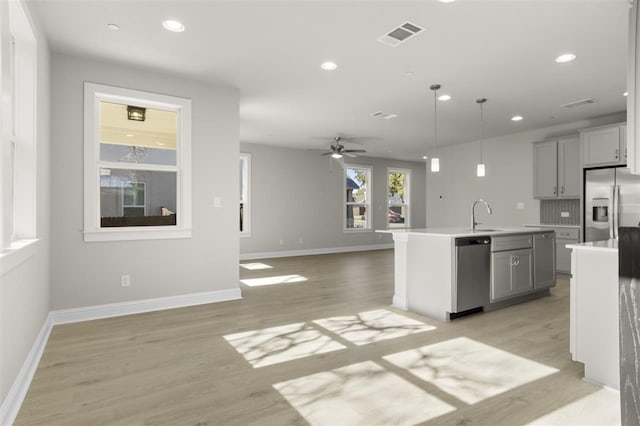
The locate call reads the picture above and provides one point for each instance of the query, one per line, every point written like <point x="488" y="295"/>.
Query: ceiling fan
<point x="338" y="150"/>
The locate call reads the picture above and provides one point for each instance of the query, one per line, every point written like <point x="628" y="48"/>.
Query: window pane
<point x="148" y="136"/>
<point x="397" y="182"/>
<point x="356" y="185"/>
<point x="397" y="216"/>
<point x="137" y="198"/>
<point x="356" y="217"/>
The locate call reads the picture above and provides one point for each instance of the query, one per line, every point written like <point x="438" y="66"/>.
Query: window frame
<point x="407" y="198"/>
<point x="93" y="95"/>
<point x="368" y="198"/>
<point x="246" y="189"/>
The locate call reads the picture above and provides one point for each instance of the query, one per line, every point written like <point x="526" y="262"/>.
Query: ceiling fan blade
<point x="354" y="150"/>
<point x="346" y="153"/>
<point x="327" y="153"/>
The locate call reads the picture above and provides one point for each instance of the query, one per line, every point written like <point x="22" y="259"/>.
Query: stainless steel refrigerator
<point x="611" y="200"/>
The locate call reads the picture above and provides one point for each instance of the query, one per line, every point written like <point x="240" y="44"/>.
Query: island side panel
<point x="400" y="261"/>
<point x="595" y="276"/>
<point x="429" y="275"/>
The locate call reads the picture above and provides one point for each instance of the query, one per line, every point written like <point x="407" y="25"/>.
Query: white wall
<point x="508" y="181"/>
<point x="24" y="290"/>
<point x="295" y="194"/>
<point x="86" y="274"/>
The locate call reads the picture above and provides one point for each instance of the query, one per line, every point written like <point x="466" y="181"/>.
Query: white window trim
<point x="367" y="205"/>
<point x="18" y="227"/>
<point x="407" y="203"/>
<point x="93" y="95"/>
<point x="246" y="214"/>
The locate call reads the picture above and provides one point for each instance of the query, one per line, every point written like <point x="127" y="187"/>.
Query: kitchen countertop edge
<point x="460" y="232"/>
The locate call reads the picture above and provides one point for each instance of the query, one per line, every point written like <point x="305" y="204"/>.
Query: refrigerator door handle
<point x="611" y="213"/>
<point x="616" y="210"/>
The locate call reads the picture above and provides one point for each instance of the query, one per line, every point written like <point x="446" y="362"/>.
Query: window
<point x="18" y="128"/>
<point x="245" y="187"/>
<point x="398" y="184"/>
<point x="137" y="165"/>
<point x="357" y="198"/>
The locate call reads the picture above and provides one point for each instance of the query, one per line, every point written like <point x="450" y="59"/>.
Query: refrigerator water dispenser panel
<point x="600" y="208"/>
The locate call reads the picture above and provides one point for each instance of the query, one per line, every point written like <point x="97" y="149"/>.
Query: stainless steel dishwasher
<point x="473" y="275"/>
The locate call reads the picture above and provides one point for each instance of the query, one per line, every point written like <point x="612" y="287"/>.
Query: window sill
<point x="18" y="253"/>
<point x="356" y="230"/>
<point x="136" y="233"/>
<point x="245" y="235"/>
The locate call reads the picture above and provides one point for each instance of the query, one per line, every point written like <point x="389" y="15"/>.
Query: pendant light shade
<point x="480" y="169"/>
<point x="435" y="161"/>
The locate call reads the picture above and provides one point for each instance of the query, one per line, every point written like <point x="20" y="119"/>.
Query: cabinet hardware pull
<point x="555" y="190"/>
<point x="562" y="189"/>
<point x="617" y="153"/>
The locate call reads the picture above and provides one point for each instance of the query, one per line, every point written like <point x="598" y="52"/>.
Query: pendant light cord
<point x="481" y="131"/>
<point x="435" y="122"/>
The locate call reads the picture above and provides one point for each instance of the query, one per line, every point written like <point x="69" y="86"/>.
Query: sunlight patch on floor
<point x="360" y="394"/>
<point x="280" y="344"/>
<point x="282" y="279"/>
<point x="469" y="370"/>
<point x="373" y="326"/>
<point x="600" y="408"/>
<point x="255" y="266"/>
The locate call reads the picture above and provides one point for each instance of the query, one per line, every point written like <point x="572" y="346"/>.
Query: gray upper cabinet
<point x="604" y="146"/>
<point x="556" y="167"/>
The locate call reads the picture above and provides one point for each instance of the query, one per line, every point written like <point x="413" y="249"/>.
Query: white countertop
<point x="605" y="245"/>
<point x="546" y="225"/>
<point x="465" y="232"/>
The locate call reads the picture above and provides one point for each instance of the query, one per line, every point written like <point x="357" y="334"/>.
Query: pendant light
<point x="435" y="161"/>
<point x="480" y="170"/>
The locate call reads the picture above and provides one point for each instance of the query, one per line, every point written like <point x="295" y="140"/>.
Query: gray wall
<point x="296" y="195"/>
<point x="24" y="291"/>
<point x="85" y="274"/>
<point x="508" y="181"/>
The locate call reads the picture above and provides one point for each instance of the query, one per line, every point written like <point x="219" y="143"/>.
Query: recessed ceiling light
<point x="625" y="94"/>
<point x="447" y="1"/>
<point x="129" y="135"/>
<point x="517" y="118"/>
<point x="566" y="57"/>
<point x="424" y="157"/>
<point x="329" y="66"/>
<point x="444" y="97"/>
<point x="113" y="27"/>
<point x="173" y="25"/>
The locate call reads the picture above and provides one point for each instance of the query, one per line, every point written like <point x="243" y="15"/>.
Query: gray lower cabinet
<point x="565" y="236"/>
<point x="544" y="260"/>
<point x="512" y="273"/>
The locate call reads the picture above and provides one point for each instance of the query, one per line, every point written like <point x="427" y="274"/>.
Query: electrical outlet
<point x="564" y="214"/>
<point x="125" y="280"/>
<point x="281" y="242"/>
<point x="217" y="202"/>
<point x="520" y="205"/>
<point x="300" y="240"/>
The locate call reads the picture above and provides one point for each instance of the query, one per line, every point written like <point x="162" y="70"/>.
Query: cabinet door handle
<point x="555" y="190"/>
<point x="515" y="260"/>
<point x="617" y="153"/>
<point x="562" y="189"/>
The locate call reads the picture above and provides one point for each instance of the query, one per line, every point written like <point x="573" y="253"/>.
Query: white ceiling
<point x="272" y="50"/>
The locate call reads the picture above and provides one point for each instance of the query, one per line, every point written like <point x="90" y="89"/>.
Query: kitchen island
<point x="429" y="266"/>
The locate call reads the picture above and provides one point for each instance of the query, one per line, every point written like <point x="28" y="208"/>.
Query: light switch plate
<point x="217" y="202"/>
<point x="520" y="205"/>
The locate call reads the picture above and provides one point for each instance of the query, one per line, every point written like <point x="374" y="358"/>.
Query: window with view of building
<point x="137" y="165"/>
<point x="357" y="197"/>
<point x="245" y="186"/>
<point x="398" y="181"/>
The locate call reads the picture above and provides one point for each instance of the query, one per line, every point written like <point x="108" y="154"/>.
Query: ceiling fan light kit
<point x="338" y="151"/>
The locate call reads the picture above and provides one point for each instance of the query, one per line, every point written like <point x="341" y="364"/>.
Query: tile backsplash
<point x="551" y="212"/>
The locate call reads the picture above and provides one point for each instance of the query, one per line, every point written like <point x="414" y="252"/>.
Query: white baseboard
<point x="13" y="401"/>
<point x="311" y="252"/>
<point x="88" y="313"/>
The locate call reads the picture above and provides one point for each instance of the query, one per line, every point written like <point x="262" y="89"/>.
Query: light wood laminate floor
<point x="322" y="348"/>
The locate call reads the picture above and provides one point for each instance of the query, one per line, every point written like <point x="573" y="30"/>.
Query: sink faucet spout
<point x="473" y="212"/>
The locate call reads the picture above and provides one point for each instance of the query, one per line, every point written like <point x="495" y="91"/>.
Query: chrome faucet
<point x="473" y="212"/>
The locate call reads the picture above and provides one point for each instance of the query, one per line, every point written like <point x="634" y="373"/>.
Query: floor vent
<point x="581" y="102"/>
<point x="400" y="34"/>
<point x="383" y="115"/>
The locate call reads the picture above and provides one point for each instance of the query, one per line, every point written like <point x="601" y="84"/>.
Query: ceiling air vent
<point x="400" y="34"/>
<point x="581" y="102"/>
<point x="383" y="115"/>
